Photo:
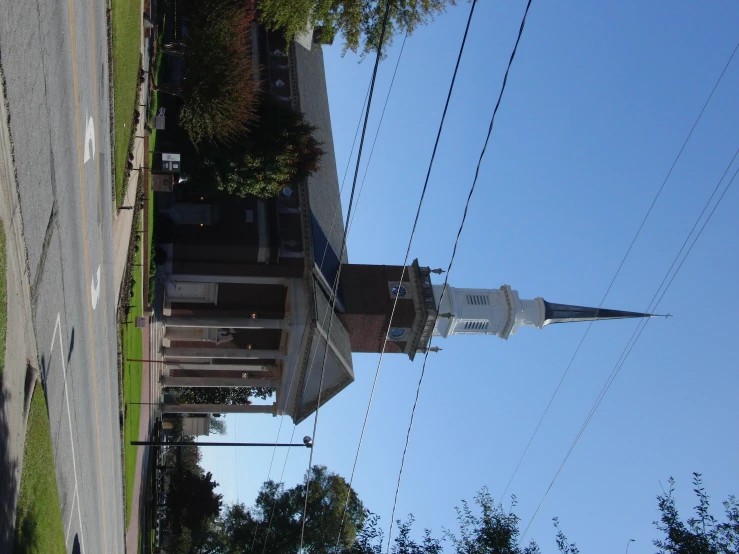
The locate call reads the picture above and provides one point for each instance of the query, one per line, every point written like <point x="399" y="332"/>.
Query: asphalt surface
<point x="54" y="59"/>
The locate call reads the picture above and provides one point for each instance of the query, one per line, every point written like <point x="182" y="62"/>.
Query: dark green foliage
<point x="192" y="505"/>
<point x="358" y="21"/>
<point x="218" y="395"/>
<point x="181" y="542"/>
<point x="562" y="545"/>
<point x="405" y="544"/>
<point x="219" y="91"/>
<point x="240" y="527"/>
<point x="217" y="425"/>
<point x="493" y="530"/>
<point x="278" y="150"/>
<point x="701" y="534"/>
<point x="486" y="530"/>
<point x="273" y="525"/>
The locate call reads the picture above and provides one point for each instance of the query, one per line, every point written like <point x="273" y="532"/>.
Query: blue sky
<point x="599" y="101"/>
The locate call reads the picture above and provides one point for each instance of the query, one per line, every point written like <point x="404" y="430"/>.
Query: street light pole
<point x="307" y="442"/>
<point x="629" y="544"/>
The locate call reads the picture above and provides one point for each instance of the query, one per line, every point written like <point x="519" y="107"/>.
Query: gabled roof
<point x="327" y="338"/>
<point x="323" y="185"/>
<point x="338" y="372"/>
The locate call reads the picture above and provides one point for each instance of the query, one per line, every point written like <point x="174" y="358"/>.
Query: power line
<point x="407" y="255"/>
<point x="361" y="188"/>
<point x="337" y="211"/>
<point x="451" y="261"/>
<point x="379" y="125"/>
<point x="323" y="259"/>
<point x="338" y="272"/>
<point x="269" y="473"/>
<point x="292" y="435"/>
<point x="641" y="326"/>
<point x="274" y="505"/>
<point x="618" y="270"/>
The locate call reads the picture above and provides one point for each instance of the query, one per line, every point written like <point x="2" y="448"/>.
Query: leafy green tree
<point x="192" y="505"/>
<point x="279" y="150"/>
<point x="180" y="542"/>
<point x="491" y="530"/>
<point x="273" y="525"/>
<point x="358" y="21"/>
<point x="702" y="534"/>
<point x="229" y="396"/>
<point x="217" y="426"/>
<point x="240" y="527"/>
<point x="219" y="92"/>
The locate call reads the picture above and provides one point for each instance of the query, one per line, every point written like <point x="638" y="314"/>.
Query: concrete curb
<point x="20" y="314"/>
<point x="11" y="207"/>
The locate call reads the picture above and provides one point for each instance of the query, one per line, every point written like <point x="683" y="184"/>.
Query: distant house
<point x="194" y="424"/>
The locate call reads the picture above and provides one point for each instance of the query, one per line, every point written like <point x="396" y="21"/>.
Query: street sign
<point x="171" y="162"/>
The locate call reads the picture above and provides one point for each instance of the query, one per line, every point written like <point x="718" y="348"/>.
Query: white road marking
<point x="58" y="326"/>
<point x="95" y="289"/>
<point x="71" y="514"/>
<point x="90" y="140"/>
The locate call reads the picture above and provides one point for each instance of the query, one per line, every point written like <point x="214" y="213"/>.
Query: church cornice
<point x="511" y="307"/>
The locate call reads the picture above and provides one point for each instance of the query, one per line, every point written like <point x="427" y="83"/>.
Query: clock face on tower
<point x="396" y="333"/>
<point x="399" y="291"/>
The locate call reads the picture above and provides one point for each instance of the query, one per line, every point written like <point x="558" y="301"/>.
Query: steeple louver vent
<point x="478" y="299"/>
<point x="475" y="325"/>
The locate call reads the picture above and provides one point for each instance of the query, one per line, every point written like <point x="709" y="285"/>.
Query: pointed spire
<point x="564" y="313"/>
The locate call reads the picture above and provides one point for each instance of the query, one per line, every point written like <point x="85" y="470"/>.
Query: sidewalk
<point x="21" y="359"/>
<point x="123" y="219"/>
<point x="150" y="393"/>
<point x="121" y="238"/>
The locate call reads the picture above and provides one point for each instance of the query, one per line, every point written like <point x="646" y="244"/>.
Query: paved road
<point x="54" y="58"/>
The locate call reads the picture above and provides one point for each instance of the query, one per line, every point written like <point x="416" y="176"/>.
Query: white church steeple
<point x="501" y="312"/>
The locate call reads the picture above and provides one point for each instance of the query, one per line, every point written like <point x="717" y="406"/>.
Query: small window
<point x="396" y="333"/>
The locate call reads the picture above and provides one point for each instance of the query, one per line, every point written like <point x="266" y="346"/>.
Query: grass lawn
<point x="39" y="517"/>
<point x="146" y="530"/>
<point x="126" y="28"/>
<point x="132" y="349"/>
<point x="3" y="299"/>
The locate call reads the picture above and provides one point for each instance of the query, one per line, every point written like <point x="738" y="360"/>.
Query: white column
<point x="244" y="279"/>
<point x="263" y="229"/>
<point x="226" y="322"/>
<point x="175" y="352"/>
<point x="232" y="367"/>
<point x="215" y="382"/>
<point x="218" y="409"/>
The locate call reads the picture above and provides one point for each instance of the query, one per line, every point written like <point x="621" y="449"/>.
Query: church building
<point x="248" y="282"/>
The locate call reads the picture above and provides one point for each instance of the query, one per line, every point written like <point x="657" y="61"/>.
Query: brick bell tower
<point x="368" y="292"/>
